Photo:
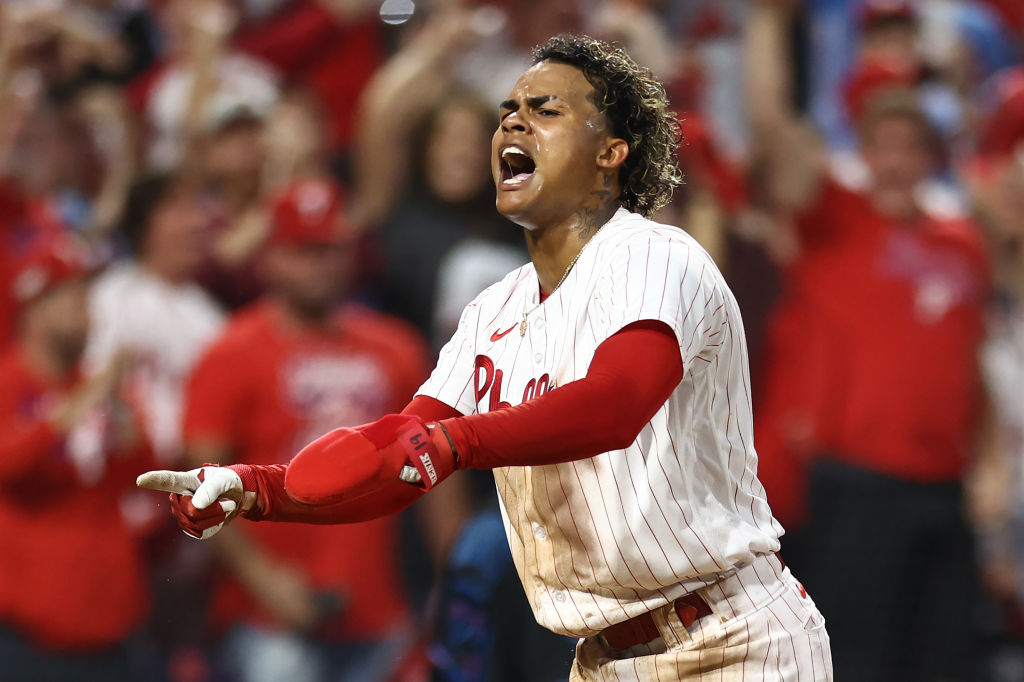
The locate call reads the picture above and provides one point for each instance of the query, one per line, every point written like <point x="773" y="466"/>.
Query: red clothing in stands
<point x="71" y="571"/>
<point x="1012" y="12"/>
<point x="265" y="390"/>
<point x="24" y="225"/>
<point x="871" y="352"/>
<point x="306" y="42"/>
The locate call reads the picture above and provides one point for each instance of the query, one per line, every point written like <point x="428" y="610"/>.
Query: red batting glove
<point x="204" y="499"/>
<point x="346" y="464"/>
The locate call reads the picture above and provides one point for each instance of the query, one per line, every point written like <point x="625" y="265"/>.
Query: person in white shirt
<point x="149" y="310"/>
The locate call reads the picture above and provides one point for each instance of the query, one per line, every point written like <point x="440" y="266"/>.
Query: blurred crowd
<point x="229" y="226"/>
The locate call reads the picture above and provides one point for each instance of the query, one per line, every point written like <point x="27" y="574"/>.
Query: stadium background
<point x="217" y="116"/>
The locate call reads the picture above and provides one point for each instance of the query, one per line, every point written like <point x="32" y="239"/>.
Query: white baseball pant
<point x="763" y="626"/>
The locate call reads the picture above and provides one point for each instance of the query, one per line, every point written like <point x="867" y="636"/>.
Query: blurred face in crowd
<point x="544" y="153"/>
<point x="53" y="151"/>
<point x="309" y="279"/>
<point x="891" y="40"/>
<point x="175" y="238"/>
<point x="234" y="158"/>
<point x="898" y="153"/>
<point x="456" y="159"/>
<point x="60" y="320"/>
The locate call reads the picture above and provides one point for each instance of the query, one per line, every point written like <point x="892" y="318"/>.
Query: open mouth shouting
<point x="516" y="166"/>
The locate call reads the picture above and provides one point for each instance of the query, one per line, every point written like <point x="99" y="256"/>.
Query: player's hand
<point x="350" y="463"/>
<point x="202" y="500"/>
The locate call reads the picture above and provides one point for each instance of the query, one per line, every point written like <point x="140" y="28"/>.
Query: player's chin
<point x="513" y="200"/>
<point x="512" y="205"/>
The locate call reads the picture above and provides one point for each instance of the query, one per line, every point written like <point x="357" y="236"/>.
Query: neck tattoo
<point x="526" y="313"/>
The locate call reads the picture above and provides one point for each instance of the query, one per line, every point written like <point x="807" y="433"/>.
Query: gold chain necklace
<point x="527" y="313"/>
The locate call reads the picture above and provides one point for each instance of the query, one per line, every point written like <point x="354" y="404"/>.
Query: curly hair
<point x="635" y="104"/>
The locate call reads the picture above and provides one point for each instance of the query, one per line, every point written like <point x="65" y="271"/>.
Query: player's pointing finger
<point x="181" y="482"/>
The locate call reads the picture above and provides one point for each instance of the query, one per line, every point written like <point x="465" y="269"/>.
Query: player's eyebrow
<point x="532" y="102"/>
<point x="538" y="100"/>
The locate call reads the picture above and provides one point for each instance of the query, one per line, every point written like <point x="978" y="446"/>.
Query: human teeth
<point x="513" y="150"/>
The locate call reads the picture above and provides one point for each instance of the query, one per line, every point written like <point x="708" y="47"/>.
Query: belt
<point x="642" y="629"/>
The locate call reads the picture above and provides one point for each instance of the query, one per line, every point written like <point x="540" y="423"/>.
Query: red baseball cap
<point x="874" y="11"/>
<point x="309" y="212"/>
<point x="58" y="260"/>
<point x="1003" y="130"/>
<point x="871" y="78"/>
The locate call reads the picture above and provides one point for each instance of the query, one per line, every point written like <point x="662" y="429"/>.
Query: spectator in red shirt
<point x="304" y="602"/>
<point x="872" y="389"/>
<point x="72" y="582"/>
<point x="24" y="225"/>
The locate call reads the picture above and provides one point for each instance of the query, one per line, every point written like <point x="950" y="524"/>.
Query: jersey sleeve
<point x="667" y="280"/>
<point x="451" y="382"/>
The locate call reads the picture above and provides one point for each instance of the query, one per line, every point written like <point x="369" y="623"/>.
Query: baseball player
<point x="606" y="384"/>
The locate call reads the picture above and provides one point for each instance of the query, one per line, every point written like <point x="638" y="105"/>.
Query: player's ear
<point x="613" y="154"/>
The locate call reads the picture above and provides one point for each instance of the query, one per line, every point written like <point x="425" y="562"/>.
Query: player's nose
<point x="514" y="122"/>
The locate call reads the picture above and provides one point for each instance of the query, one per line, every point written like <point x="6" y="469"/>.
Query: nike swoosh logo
<point x="496" y="335"/>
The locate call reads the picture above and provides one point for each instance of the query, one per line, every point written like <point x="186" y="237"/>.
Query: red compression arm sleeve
<point x="430" y="409"/>
<point x="631" y="376"/>
<point x="274" y="504"/>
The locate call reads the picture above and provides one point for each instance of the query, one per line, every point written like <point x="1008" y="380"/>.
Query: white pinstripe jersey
<point x="600" y="540"/>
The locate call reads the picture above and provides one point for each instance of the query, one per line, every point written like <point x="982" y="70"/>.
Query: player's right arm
<point x="207" y="498"/>
<point x="203" y="507"/>
<point x="351" y="475"/>
<point x="380" y="468"/>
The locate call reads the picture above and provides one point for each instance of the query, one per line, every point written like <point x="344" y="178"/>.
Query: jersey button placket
<point x="539" y="531"/>
<point x="538" y="357"/>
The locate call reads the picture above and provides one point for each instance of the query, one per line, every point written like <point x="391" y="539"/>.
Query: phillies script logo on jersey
<point x="487" y="382"/>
